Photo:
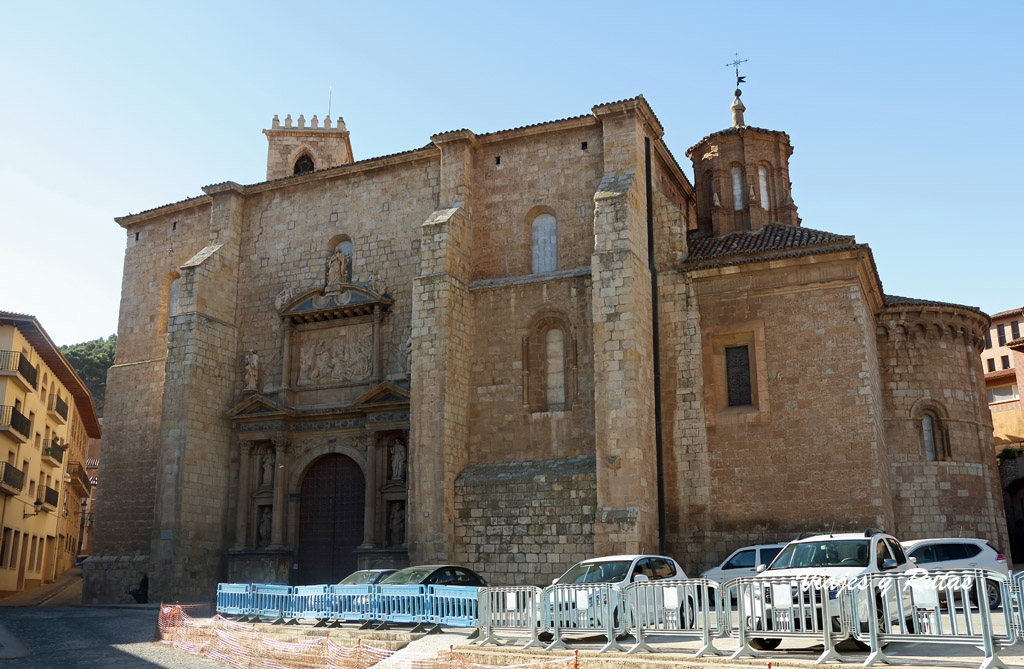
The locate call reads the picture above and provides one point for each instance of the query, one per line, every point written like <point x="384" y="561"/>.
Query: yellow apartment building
<point x="46" y="420"/>
<point x="1004" y="375"/>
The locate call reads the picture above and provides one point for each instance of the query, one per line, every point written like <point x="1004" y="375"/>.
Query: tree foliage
<point x="92" y="359"/>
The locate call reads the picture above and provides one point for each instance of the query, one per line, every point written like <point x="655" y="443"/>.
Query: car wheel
<point x="992" y="591"/>
<point x="765" y="644"/>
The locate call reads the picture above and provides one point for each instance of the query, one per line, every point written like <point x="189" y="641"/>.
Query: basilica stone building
<point x="515" y="350"/>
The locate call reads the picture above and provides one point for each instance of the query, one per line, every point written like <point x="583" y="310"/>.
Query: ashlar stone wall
<point x="526" y="522"/>
<point x="795" y="459"/>
<point x="930" y="362"/>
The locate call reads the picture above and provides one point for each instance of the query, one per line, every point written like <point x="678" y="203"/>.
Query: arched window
<point x="545" y="243"/>
<point x="549" y="363"/>
<point x="172" y="298"/>
<point x="304" y="165"/>
<point x="762" y="182"/>
<point x="928" y="436"/>
<point x="737" y="189"/>
<point x="555" y="372"/>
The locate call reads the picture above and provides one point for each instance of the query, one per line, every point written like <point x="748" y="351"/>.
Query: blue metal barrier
<point x="272" y="601"/>
<point x="234" y="599"/>
<point x="402" y="603"/>
<point x="353" y="603"/>
<point x="453" y="605"/>
<point x="309" y="602"/>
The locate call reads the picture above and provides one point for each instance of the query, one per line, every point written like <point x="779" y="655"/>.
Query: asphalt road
<point x="92" y="638"/>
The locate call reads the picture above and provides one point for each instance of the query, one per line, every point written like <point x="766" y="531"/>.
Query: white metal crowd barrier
<point x="934" y="608"/>
<point x="786" y="607"/>
<point x="1016" y="603"/>
<point x="510" y="611"/>
<point x="677" y="608"/>
<point x="585" y="607"/>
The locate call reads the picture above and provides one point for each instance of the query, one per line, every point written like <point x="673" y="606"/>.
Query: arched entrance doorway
<point x="330" y="519"/>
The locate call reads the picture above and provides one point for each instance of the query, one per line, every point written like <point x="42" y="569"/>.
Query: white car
<point x="621" y="570"/>
<point x="837" y="557"/>
<point x="743" y="562"/>
<point x="951" y="553"/>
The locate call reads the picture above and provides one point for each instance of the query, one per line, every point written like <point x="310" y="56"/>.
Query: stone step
<point x="349" y="635"/>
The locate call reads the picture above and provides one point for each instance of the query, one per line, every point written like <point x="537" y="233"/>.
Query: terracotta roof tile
<point x="897" y="301"/>
<point x="735" y="131"/>
<point x="772" y="237"/>
<point x="1019" y="311"/>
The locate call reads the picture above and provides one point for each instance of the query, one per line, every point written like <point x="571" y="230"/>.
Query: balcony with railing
<point x="15" y="366"/>
<point x="57" y="408"/>
<point x="50" y="498"/>
<point x="53" y="452"/>
<point x="12" y="479"/>
<point x="79" y="479"/>
<point x="14" y="424"/>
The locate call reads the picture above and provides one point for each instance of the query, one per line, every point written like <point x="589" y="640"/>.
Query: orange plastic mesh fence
<point x="243" y="646"/>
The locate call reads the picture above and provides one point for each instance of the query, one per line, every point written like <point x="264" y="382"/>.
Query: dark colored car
<point x="366" y="576"/>
<point x="435" y="574"/>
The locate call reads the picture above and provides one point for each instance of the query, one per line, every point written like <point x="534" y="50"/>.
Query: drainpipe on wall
<point x="656" y="347"/>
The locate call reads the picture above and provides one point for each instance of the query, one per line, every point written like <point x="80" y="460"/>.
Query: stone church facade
<point x="515" y="350"/>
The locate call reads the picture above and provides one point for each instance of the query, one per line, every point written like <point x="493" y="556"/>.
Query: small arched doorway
<point x="330" y="519"/>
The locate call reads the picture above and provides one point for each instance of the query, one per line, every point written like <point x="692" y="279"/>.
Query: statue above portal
<point x="337" y="269"/>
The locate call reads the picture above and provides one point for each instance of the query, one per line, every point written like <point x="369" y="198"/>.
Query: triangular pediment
<point x="347" y="300"/>
<point x="258" y="406"/>
<point x="383" y="393"/>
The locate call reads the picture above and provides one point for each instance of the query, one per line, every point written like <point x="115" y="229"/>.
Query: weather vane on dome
<point x="736" y="64"/>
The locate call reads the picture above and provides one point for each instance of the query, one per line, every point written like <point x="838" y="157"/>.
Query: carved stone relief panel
<point x="334" y="355"/>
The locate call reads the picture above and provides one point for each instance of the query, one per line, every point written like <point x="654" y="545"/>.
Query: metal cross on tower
<point x="736" y="64"/>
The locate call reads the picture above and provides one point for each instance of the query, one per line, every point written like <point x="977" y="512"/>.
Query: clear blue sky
<point x="904" y="116"/>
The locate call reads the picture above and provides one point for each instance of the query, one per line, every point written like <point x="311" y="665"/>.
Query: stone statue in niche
<point x="337" y="269"/>
<point x="398" y="458"/>
<point x="267" y="475"/>
<point x="263" y="531"/>
<point x="396" y="523"/>
<point x="252" y="370"/>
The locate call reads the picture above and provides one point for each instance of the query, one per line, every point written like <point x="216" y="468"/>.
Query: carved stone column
<point x="378" y="354"/>
<point x="242" y="518"/>
<point x="286" y="350"/>
<point x="280" y="474"/>
<point x="370" y="502"/>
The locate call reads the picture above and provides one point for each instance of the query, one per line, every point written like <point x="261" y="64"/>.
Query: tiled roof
<point x="1015" y="343"/>
<point x="163" y="206"/>
<point x="1019" y="311"/>
<point x="897" y="301"/>
<point x="736" y="131"/>
<point x="773" y="237"/>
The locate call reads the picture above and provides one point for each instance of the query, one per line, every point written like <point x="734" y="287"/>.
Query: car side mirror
<point x="912" y="559"/>
<point x="639" y="578"/>
<point x="888" y="564"/>
<point x="761" y="567"/>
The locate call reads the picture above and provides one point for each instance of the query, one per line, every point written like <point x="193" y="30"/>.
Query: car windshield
<point x="597" y="572"/>
<point x="364" y="577"/>
<point x="408" y="576"/>
<point x="849" y="553"/>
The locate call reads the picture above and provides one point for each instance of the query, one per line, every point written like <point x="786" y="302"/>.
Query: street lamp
<point x="38" y="506"/>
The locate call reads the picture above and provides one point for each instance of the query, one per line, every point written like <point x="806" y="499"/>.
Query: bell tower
<point x="741" y="177"/>
<point x="298" y="149"/>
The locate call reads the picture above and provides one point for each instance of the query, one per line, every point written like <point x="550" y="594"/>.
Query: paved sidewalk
<point x="39" y="595"/>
